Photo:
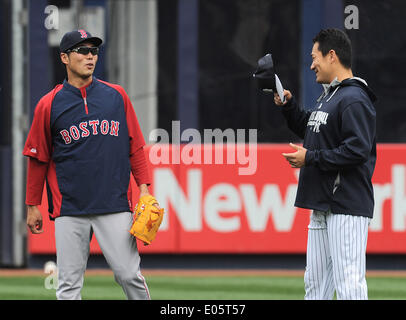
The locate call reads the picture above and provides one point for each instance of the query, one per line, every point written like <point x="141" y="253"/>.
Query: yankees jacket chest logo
<point x="91" y="127"/>
<point x="316" y="119"/>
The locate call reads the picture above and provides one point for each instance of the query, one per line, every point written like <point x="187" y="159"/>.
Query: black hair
<point x="337" y="40"/>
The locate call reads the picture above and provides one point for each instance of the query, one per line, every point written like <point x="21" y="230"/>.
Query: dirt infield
<point x="199" y="272"/>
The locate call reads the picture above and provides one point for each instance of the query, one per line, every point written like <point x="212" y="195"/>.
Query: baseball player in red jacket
<point x="84" y="142"/>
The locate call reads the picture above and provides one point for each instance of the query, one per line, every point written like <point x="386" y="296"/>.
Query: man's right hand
<point x="287" y="94"/>
<point x="34" y="220"/>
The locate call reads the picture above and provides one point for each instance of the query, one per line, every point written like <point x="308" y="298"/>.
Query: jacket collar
<point x="327" y="87"/>
<point x="77" y="91"/>
<point x="331" y="85"/>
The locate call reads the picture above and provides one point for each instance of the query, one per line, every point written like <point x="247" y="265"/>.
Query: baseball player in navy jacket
<point x="336" y="164"/>
<point x="84" y="142"/>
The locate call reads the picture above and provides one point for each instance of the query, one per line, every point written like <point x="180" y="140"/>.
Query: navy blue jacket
<point x="340" y="137"/>
<point x="86" y="136"/>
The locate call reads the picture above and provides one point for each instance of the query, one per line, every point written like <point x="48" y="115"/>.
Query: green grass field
<point x="241" y="287"/>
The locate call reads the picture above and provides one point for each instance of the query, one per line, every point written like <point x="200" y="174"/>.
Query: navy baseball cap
<point x="73" y="38"/>
<point x="265" y="72"/>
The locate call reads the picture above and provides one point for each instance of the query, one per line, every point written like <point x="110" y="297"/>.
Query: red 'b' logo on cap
<point x="83" y="33"/>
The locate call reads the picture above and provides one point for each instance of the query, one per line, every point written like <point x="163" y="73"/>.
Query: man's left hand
<point x="296" y="159"/>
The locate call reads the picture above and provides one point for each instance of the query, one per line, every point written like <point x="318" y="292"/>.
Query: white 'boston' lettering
<point x="91" y="127"/>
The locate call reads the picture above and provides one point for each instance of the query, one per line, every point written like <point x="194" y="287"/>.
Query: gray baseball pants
<point x="72" y="238"/>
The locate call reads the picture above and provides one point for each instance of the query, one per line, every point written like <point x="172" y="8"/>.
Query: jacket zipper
<point x="83" y="92"/>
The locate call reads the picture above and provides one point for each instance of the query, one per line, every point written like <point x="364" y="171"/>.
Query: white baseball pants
<point x="336" y="257"/>
<point x="72" y="239"/>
